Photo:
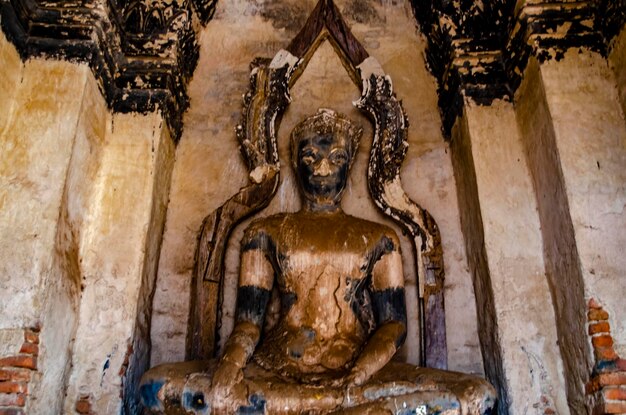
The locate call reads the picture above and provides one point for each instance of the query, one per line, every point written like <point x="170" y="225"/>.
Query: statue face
<point x="323" y="162"/>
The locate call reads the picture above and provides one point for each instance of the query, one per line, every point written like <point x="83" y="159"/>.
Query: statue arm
<point x="256" y="278"/>
<point x="389" y="306"/>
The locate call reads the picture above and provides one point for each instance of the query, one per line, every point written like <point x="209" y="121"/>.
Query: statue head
<point x="323" y="147"/>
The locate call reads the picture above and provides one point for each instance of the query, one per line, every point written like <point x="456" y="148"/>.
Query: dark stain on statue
<point x="194" y="401"/>
<point x="262" y="241"/>
<point x="287" y="300"/>
<point x="360" y="303"/>
<point x="384" y="246"/>
<point x="251" y="304"/>
<point x="390" y="305"/>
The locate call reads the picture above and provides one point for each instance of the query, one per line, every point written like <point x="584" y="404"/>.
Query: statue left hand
<point x="354" y="378"/>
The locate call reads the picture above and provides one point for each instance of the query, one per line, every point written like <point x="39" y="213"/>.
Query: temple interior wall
<point x="513" y="255"/>
<point x="617" y="62"/>
<point x="99" y="212"/>
<point x="591" y="142"/>
<point x="84" y="194"/>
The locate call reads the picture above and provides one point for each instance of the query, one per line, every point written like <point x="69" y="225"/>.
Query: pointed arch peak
<point x="326" y="22"/>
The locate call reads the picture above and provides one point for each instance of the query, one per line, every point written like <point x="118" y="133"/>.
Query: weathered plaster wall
<point x="83" y="196"/>
<point x="127" y="211"/>
<point x="61" y="298"/>
<point x="208" y="168"/>
<point x="39" y="131"/>
<point x="513" y="245"/>
<point x="11" y="72"/>
<point x="564" y="275"/>
<point x="474" y="236"/>
<point x="591" y="141"/>
<point x="617" y="61"/>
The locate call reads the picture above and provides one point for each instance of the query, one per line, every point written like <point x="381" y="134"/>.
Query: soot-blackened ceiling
<point x="143" y="52"/>
<point x="479" y="48"/>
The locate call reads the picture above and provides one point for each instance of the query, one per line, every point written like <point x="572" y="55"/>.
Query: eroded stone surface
<point x="513" y="245"/>
<point x="591" y="142"/>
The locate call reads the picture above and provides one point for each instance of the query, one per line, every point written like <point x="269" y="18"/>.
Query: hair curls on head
<point x="326" y="121"/>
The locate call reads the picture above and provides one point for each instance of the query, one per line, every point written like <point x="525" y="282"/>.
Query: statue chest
<point x="322" y="286"/>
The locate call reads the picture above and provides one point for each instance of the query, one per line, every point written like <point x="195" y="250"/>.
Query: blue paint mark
<point x="256" y="407"/>
<point x="107" y="363"/>
<point x="603" y="365"/>
<point x="149" y="393"/>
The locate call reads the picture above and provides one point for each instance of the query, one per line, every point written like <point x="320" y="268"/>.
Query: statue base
<point x="399" y="388"/>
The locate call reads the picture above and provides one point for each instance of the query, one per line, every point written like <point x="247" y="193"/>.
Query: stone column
<point x="124" y="231"/>
<point x="44" y="115"/>
<point x="503" y="239"/>
<point x="574" y="133"/>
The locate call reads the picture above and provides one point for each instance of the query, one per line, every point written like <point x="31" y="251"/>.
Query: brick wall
<point x="607" y="387"/>
<point x="16" y="373"/>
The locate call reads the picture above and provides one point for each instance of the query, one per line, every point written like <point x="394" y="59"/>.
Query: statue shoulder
<point x="267" y="226"/>
<point x="380" y="232"/>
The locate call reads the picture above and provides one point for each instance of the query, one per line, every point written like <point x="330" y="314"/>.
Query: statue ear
<point x="355" y="138"/>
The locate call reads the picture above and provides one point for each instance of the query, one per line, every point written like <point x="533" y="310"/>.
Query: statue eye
<point x="309" y="156"/>
<point x="339" y="157"/>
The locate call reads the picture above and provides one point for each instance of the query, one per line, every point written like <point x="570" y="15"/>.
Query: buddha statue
<point x="342" y="315"/>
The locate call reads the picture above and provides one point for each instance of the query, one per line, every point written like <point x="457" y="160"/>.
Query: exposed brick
<point x="621" y="364"/>
<point x="592" y="386"/>
<point x="13" y="387"/>
<point x="615" y="394"/>
<point x="593" y="303"/>
<point x="602" y="341"/>
<point x="11" y="411"/>
<point x="25" y="361"/>
<point x="30" y="348"/>
<point x="601" y="327"/>
<point x="31" y="337"/>
<point x="615" y="378"/>
<point x="597" y="315"/>
<point x="15" y="375"/>
<point x="615" y="407"/>
<point x="12" y="399"/>
<point x="83" y="405"/>
<point x="605" y="353"/>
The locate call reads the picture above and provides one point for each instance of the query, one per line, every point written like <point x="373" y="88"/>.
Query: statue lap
<point x="398" y="388"/>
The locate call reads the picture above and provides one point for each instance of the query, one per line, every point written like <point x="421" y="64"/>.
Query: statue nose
<point x="323" y="169"/>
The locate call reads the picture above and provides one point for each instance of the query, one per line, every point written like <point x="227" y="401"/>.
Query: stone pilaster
<point x="118" y="269"/>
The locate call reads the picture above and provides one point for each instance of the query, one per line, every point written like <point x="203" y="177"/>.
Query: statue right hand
<point x="224" y="387"/>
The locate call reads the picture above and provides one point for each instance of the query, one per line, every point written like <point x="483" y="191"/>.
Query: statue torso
<point x="322" y="264"/>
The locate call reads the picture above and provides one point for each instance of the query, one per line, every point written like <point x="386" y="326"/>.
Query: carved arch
<point x="263" y="106"/>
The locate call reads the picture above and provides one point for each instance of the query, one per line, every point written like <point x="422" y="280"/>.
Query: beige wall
<point x="209" y="169"/>
<point x="574" y="132"/>
<point x="590" y="133"/>
<point x="513" y="248"/>
<point x="617" y="62"/>
<point x="83" y="196"/>
<point x="119" y="264"/>
<point x="40" y="129"/>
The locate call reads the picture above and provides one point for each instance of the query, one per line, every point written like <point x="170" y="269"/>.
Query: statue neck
<point x="317" y="206"/>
